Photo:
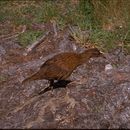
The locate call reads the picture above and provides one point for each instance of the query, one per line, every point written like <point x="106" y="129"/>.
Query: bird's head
<point x="93" y="52"/>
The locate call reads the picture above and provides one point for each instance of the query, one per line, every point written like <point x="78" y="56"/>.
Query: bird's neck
<point x="84" y="57"/>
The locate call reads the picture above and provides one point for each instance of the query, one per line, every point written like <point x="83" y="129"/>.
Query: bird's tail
<point x="31" y="78"/>
<point x="26" y="80"/>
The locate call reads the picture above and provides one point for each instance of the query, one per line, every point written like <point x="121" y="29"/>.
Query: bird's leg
<point x="54" y="85"/>
<point x="51" y="84"/>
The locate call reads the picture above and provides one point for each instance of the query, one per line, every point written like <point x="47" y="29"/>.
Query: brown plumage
<point x="62" y="65"/>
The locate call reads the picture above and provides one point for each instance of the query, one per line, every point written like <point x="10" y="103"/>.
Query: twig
<point x="71" y="29"/>
<point x="35" y="44"/>
<point x="54" y="28"/>
<point x="10" y="36"/>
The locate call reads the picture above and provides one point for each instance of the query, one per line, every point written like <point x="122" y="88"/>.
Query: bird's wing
<point x="53" y="71"/>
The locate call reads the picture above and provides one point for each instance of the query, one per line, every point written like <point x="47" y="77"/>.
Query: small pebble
<point x="108" y="67"/>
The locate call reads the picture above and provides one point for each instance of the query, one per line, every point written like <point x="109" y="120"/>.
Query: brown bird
<point x="61" y="66"/>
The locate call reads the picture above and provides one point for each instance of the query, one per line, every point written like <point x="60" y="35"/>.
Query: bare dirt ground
<point x="98" y="98"/>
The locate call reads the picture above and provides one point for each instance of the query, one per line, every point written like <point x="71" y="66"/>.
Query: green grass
<point x="28" y="37"/>
<point x="107" y="20"/>
<point x="110" y="39"/>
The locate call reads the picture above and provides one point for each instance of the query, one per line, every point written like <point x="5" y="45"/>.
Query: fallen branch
<point x="10" y="36"/>
<point x="54" y="28"/>
<point x="35" y="44"/>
